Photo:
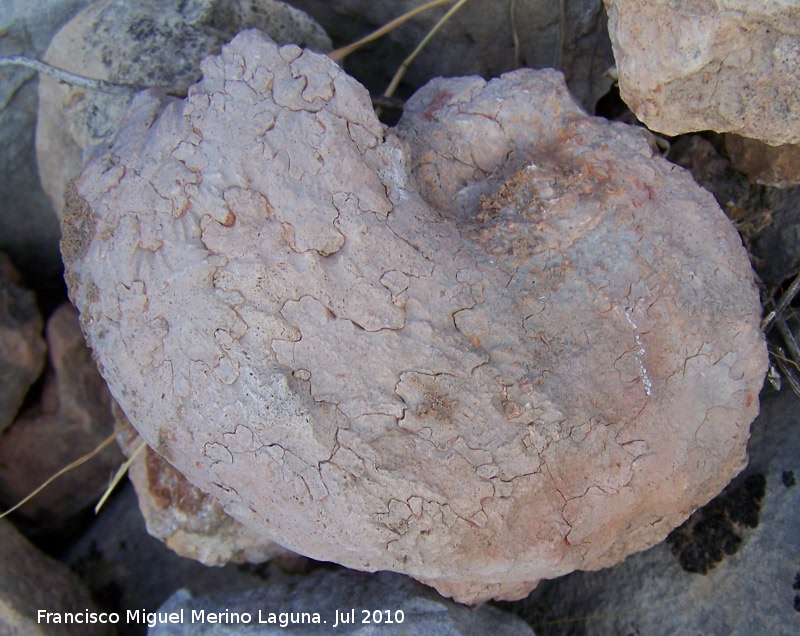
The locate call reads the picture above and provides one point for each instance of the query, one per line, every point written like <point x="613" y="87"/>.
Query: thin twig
<point x="783" y="303"/>
<point x="118" y="476"/>
<point x="777" y="351"/>
<point x="343" y="52"/>
<point x="66" y="76"/>
<point x="786" y="369"/>
<point x="407" y="62"/>
<point x="514" y="33"/>
<point x="788" y="338"/>
<point x="64" y="471"/>
<point x="562" y="34"/>
<point x="379" y="101"/>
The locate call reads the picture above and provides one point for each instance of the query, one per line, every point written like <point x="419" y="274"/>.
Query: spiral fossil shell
<point x="494" y="344"/>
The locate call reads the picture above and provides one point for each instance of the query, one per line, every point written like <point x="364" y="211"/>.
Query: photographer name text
<point x="341" y="617"/>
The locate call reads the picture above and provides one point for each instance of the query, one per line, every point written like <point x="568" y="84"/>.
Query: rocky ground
<point x="733" y="567"/>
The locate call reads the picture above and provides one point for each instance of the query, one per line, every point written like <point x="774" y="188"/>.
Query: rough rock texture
<point x="31" y="581"/>
<point x="28" y="228"/>
<point x="478" y="40"/>
<point x="71" y="419"/>
<point x="22" y="347"/>
<point x="412" y="608"/>
<point x="187" y="520"/>
<point x="777" y="166"/>
<point x="127" y="569"/>
<point x="724" y="65"/>
<point x="754" y="591"/>
<point x="503" y="343"/>
<point x="147" y="43"/>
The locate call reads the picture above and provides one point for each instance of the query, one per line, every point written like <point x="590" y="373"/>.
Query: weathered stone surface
<point x="147" y="43"/>
<point x="187" y="520"/>
<point x="127" y="569"/>
<point x="777" y="166"/>
<point x="478" y="40"/>
<point x="724" y="65"/>
<point x="755" y="590"/>
<point x="395" y="605"/>
<point x="72" y="418"/>
<point x="31" y="581"/>
<point x="22" y="347"/>
<point x="28" y="228"/>
<point x="502" y="343"/>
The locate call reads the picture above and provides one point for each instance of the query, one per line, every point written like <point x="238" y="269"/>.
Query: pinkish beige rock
<point x="144" y="43"/>
<point x="495" y="344"/>
<point x="22" y="348"/>
<point x="777" y="166"/>
<point x="72" y="416"/>
<point x="190" y="522"/>
<point x="723" y="65"/>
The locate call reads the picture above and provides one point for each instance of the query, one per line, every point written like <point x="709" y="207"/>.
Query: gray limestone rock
<point x="31" y="581"/>
<point x="127" y="569"/>
<point x="381" y="604"/>
<point x="28" y="228"/>
<point x="147" y="43"/>
<point x="498" y="343"/>
<point x="723" y="65"/>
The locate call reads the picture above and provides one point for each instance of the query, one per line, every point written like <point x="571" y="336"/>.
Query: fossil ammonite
<point x="494" y="344"/>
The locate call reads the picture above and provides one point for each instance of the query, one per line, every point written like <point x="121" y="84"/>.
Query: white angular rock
<point x="497" y="344"/>
<point x="723" y="65"/>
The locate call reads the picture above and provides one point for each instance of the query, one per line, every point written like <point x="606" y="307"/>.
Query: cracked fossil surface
<point x="497" y="343"/>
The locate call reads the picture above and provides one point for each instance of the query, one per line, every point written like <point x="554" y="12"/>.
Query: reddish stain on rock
<point x="497" y="343"/>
